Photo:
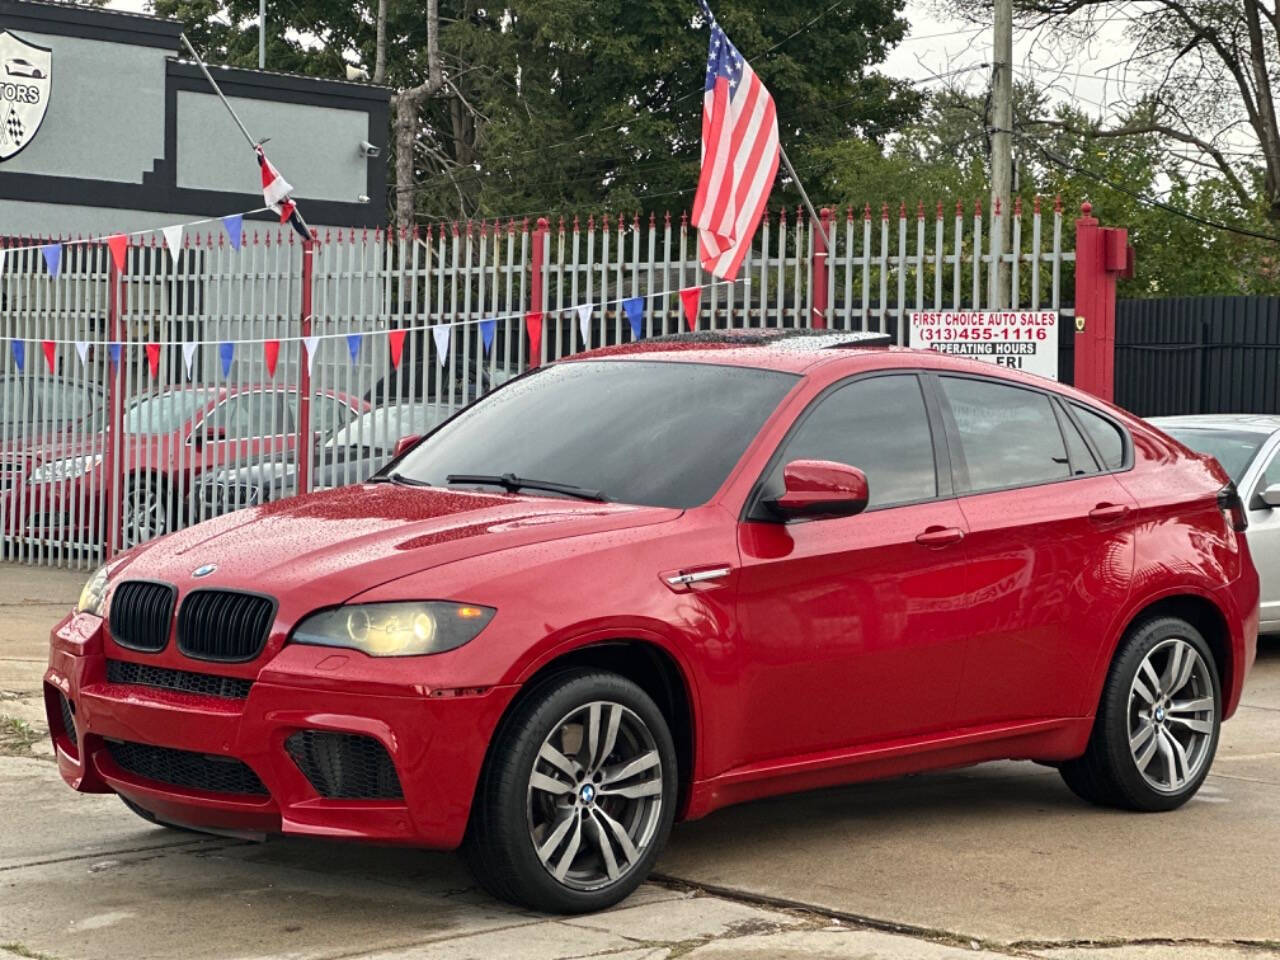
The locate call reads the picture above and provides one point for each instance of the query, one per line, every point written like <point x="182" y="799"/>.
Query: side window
<point x="1082" y="460"/>
<point x="1008" y="436"/>
<point x="328" y="414"/>
<point x="1106" y="436"/>
<point x="878" y="425"/>
<point x="249" y="415"/>
<point x="1271" y="475"/>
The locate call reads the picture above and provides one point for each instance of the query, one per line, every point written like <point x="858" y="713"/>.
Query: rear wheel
<point x="1158" y="722"/>
<point x="577" y="796"/>
<point x="147" y="512"/>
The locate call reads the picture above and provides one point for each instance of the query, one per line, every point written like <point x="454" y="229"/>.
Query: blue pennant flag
<point x="113" y="351"/>
<point x="635" y="315"/>
<point x="487" y="329"/>
<point x="227" y="351"/>
<point x="19" y="352"/>
<point x="52" y="256"/>
<point x="234" y="225"/>
<point x="353" y="345"/>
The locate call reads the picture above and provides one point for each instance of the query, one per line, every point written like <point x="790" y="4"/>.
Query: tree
<point x="571" y="105"/>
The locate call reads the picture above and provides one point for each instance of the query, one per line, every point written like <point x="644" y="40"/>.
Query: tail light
<point x="1232" y="507"/>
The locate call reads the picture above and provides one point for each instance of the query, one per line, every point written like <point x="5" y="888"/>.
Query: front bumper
<point x="436" y="740"/>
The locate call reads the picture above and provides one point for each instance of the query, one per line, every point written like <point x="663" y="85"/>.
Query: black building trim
<point x="66" y="20"/>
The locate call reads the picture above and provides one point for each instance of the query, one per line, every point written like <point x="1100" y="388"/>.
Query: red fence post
<point x="304" y="367"/>
<point x="820" y="301"/>
<point x="537" y="286"/>
<point x="1102" y="257"/>
<point x="113" y="474"/>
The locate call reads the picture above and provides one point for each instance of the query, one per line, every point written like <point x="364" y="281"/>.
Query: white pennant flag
<point x="584" y="322"/>
<point x="173" y="240"/>
<point x="82" y="349"/>
<point x="2" y="252"/>
<point x="189" y="355"/>
<point x="443" y="334"/>
<point x="309" y="345"/>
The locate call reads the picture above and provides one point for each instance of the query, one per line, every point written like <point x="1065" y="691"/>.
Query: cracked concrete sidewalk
<point x="997" y="861"/>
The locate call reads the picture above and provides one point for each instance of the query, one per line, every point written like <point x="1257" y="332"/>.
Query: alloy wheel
<point x="595" y="795"/>
<point x="145" y="516"/>
<point x="1172" y="715"/>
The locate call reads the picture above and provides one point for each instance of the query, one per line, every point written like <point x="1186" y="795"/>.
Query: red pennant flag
<point x="118" y="244"/>
<point x="50" y="352"/>
<point x="396" y="340"/>
<point x="691" y="297"/>
<point x="533" y="324"/>
<point x="153" y="358"/>
<point x="271" y="351"/>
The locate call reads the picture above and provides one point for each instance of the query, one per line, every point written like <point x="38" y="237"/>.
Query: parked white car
<point x="1248" y="447"/>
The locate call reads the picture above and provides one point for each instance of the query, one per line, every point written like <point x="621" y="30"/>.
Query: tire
<point x="146" y="514"/>
<point x="1158" y="722"/>
<point x="525" y="803"/>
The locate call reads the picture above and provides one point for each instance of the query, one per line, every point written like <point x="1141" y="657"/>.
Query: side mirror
<point x="1271" y="495"/>
<point x="821" y="488"/>
<point x="405" y="444"/>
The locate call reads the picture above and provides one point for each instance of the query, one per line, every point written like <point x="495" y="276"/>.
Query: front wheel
<point x="1158" y="722"/>
<point x="577" y="796"/>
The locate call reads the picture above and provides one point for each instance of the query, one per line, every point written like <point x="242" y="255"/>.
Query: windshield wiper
<point x="511" y="483"/>
<point x="399" y="479"/>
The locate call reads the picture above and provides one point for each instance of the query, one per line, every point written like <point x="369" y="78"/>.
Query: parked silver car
<point x="1248" y="447"/>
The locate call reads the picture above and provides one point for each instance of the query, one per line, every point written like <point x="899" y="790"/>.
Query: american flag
<point x="739" y="156"/>
<point x="276" y="191"/>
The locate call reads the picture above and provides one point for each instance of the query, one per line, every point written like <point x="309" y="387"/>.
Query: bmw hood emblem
<point x="205" y="570"/>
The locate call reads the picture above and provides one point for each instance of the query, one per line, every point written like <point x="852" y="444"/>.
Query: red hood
<point x="334" y="545"/>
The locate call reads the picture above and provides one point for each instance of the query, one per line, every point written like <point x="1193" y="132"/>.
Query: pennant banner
<point x="52" y="253"/>
<point x="227" y="352"/>
<point x="118" y="244"/>
<point x="82" y="351"/>
<point x="271" y="353"/>
<point x="635" y="316"/>
<point x="189" y="356"/>
<point x="173" y="240"/>
<point x="395" y="340"/>
<point x="19" y="349"/>
<point x="691" y="297"/>
<point x="533" y="325"/>
<point x="487" y="329"/>
<point x="2" y="253"/>
<point x="50" y="354"/>
<point x="153" y="359"/>
<point x="353" y="345"/>
<point x="309" y="345"/>
<point x="234" y="225"/>
<point x="443" y="334"/>
<point x="584" y="323"/>
<point x="113" y="351"/>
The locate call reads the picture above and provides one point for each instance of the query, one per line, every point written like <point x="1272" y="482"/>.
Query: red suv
<point x="651" y="581"/>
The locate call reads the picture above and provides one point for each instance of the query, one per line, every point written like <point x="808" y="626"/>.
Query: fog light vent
<point x="69" y="721"/>
<point x="345" y="766"/>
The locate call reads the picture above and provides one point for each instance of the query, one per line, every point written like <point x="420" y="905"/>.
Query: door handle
<point x="1108" y="512"/>
<point x="937" y="537"/>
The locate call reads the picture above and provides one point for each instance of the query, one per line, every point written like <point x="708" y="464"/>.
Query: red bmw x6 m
<point x="651" y="581"/>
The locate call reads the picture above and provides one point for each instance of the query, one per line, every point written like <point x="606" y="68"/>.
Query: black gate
<point x="1198" y="355"/>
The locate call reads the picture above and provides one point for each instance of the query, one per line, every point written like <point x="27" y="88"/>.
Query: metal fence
<point x="139" y="398"/>
<point x="1198" y="355"/>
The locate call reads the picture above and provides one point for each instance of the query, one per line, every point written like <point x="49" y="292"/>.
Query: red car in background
<point x="59" y="484"/>
<point x="648" y="582"/>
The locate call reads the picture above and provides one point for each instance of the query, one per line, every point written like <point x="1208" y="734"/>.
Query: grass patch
<point x="21" y="949"/>
<point x="16" y="738"/>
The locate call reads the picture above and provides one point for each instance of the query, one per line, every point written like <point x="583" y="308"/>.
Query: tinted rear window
<point x="644" y="432"/>
<point x="1234" y="449"/>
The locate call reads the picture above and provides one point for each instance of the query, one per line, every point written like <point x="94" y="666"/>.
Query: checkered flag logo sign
<point x="25" y="85"/>
<point x="13" y="126"/>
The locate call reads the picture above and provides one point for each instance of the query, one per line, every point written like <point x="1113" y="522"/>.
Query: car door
<point x="1050" y="546"/>
<point x="1264" y="534"/>
<point x="854" y="627"/>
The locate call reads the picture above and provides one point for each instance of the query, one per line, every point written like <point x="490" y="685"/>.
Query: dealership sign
<point x="24" y="91"/>
<point x="1019" y="339"/>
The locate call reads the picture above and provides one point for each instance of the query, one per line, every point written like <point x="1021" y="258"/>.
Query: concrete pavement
<point x="998" y="860"/>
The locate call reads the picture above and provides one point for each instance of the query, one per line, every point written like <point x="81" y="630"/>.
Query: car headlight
<point x="68" y="469"/>
<point x="395" y="629"/>
<point x="93" y="598"/>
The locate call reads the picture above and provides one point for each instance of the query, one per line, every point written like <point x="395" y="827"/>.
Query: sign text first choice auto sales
<point x="1020" y="339"/>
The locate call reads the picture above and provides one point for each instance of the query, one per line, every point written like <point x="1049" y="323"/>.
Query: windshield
<point x="1234" y="449"/>
<point x="164" y="413"/>
<point x="381" y="429"/>
<point x="652" y="433"/>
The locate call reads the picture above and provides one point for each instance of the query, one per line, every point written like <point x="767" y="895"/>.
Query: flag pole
<point x="218" y="90"/>
<point x="817" y="221"/>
